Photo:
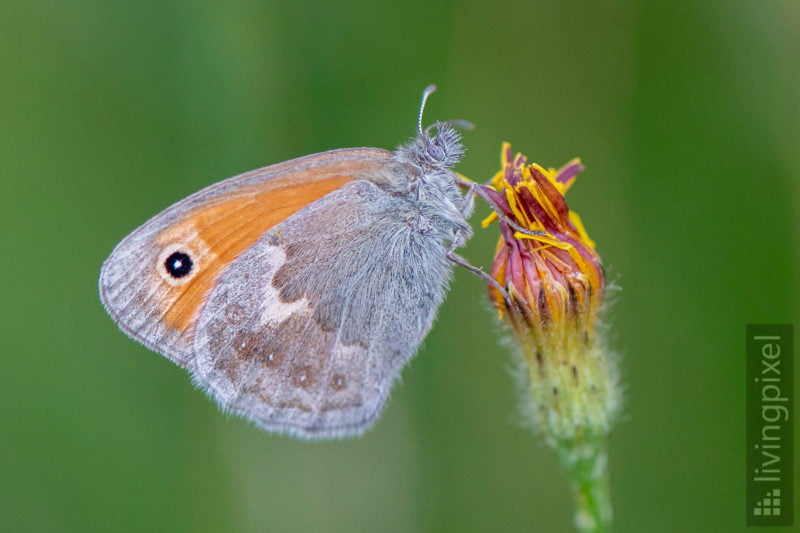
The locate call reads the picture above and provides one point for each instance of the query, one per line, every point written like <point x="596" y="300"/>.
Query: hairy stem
<point x="586" y="465"/>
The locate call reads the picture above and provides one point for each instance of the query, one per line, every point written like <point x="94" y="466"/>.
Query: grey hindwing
<point x="307" y="330"/>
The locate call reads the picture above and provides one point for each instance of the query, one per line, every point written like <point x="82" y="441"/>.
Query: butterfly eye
<point x="178" y="264"/>
<point x="436" y="152"/>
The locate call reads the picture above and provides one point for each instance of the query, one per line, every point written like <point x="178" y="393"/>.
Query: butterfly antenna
<point x="425" y="94"/>
<point x="461" y="124"/>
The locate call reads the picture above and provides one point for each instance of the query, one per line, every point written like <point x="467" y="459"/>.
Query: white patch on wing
<point x="347" y="354"/>
<point x="274" y="311"/>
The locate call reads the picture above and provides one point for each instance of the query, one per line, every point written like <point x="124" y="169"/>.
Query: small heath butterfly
<point x="294" y="294"/>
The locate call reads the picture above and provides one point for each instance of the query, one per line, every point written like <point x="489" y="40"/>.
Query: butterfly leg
<point x="460" y="261"/>
<point x="468" y="204"/>
<point x="477" y="189"/>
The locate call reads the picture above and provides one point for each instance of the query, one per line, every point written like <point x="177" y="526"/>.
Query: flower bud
<point x="554" y="285"/>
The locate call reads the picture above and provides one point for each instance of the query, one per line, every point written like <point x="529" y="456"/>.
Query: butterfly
<point x="294" y="294"/>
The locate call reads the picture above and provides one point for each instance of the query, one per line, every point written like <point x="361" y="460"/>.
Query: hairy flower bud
<point x="553" y="287"/>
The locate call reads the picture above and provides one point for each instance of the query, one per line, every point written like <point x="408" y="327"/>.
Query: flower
<point x="548" y="286"/>
<point x="556" y="275"/>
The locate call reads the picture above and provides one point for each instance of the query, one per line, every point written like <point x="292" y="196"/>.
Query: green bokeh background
<point x="686" y="115"/>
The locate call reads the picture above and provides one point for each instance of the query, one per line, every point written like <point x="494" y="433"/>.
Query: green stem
<point x="586" y="463"/>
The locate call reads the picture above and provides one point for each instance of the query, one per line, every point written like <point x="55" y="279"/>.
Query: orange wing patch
<point x="217" y="234"/>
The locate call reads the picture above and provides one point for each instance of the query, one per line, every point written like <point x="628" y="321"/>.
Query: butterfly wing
<point x="158" y="305"/>
<point x="310" y="326"/>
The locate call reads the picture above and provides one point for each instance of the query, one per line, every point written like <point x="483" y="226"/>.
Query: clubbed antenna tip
<point x="425" y="94"/>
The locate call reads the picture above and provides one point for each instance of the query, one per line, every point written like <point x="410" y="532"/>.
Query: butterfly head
<point x="437" y="147"/>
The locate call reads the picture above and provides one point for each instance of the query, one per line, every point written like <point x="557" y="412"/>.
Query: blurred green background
<point x="685" y="114"/>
